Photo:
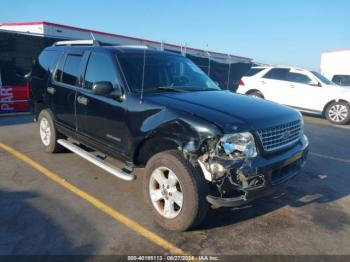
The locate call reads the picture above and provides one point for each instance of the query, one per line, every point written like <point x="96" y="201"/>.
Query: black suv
<point x="200" y="146"/>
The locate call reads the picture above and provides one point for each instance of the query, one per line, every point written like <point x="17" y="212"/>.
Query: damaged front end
<point x="227" y="165"/>
<point x="238" y="174"/>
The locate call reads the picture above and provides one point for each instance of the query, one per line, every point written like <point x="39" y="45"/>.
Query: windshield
<point x="163" y="72"/>
<point x="323" y="79"/>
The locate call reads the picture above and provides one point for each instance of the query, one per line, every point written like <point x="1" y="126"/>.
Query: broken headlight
<point x="235" y="146"/>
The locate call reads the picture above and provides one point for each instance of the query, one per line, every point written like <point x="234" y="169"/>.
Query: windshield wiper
<point x="168" y="88"/>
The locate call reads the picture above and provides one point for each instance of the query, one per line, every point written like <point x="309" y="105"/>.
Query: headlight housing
<point x="236" y="146"/>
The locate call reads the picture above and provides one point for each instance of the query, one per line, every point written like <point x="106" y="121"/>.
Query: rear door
<point x="274" y="85"/>
<point x="65" y="81"/>
<point x="101" y="118"/>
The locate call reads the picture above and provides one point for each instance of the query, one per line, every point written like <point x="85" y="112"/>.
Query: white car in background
<point x="307" y="91"/>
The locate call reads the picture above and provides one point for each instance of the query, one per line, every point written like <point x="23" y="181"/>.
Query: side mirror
<point x="314" y="83"/>
<point x="117" y="93"/>
<point x="102" y="88"/>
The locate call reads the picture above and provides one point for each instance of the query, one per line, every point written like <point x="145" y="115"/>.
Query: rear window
<point x="45" y="62"/>
<point x="71" y="69"/>
<point x="254" y="71"/>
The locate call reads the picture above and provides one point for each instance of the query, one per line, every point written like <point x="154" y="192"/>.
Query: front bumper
<point x="275" y="170"/>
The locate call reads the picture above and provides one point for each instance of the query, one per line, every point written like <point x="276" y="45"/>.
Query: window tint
<point x="71" y="69"/>
<point x="342" y="80"/>
<point x="254" y="71"/>
<point x="100" y="68"/>
<point x="277" y="73"/>
<point x="298" y="78"/>
<point x="45" y="62"/>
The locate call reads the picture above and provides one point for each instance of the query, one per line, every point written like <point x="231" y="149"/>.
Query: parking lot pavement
<point x="310" y="215"/>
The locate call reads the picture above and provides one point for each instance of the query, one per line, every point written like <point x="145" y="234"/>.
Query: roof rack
<point x="78" y="43"/>
<point x="134" y="46"/>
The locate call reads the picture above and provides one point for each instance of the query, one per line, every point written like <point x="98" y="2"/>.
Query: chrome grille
<point x="281" y="136"/>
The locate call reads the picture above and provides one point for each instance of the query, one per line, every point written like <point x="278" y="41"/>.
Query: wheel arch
<point x="332" y="101"/>
<point x="152" y="146"/>
<point x="38" y="106"/>
<point x="250" y="91"/>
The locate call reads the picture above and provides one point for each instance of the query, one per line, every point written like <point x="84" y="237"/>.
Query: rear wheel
<point x="48" y="132"/>
<point x="256" y="94"/>
<point x="338" y="113"/>
<point x="175" y="191"/>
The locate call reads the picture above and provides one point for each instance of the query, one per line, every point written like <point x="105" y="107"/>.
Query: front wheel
<point x="338" y="113"/>
<point x="175" y="191"/>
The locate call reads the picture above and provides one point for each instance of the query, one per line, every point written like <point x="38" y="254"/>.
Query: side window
<point x="337" y="79"/>
<point x="71" y="69"/>
<point x="45" y="62"/>
<point x="277" y="74"/>
<point x="343" y="80"/>
<point x="100" y="68"/>
<point x="298" y="78"/>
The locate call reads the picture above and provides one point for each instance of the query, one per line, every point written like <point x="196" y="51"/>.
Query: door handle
<point x="82" y="100"/>
<point x="263" y="82"/>
<point x="292" y="86"/>
<point x="51" y="90"/>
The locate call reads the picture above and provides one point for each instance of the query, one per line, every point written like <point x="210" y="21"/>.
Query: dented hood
<point x="227" y="109"/>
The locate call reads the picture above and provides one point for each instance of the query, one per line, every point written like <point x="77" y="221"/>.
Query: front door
<point x="303" y="92"/>
<point x="101" y="118"/>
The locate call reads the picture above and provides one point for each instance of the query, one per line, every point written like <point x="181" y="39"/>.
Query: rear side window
<point x="298" y="78"/>
<point x="254" y="71"/>
<point x="100" y="68"/>
<point x="342" y="80"/>
<point x="277" y="74"/>
<point x="46" y="61"/>
<point x="71" y="69"/>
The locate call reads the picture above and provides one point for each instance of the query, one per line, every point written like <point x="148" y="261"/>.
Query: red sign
<point x="14" y="99"/>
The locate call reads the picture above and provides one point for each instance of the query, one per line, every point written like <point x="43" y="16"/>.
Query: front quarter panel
<point x="148" y="121"/>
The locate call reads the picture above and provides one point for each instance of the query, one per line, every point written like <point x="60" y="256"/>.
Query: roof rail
<point x="134" y="46"/>
<point x="77" y="42"/>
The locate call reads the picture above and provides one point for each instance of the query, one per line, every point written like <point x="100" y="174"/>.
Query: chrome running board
<point x="96" y="160"/>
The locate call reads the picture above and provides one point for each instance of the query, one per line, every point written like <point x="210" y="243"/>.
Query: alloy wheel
<point x="166" y="192"/>
<point x="45" y="131"/>
<point x="338" y="113"/>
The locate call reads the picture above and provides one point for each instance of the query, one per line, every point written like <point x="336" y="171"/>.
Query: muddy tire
<point x="48" y="133"/>
<point x="175" y="191"/>
<point x="338" y="113"/>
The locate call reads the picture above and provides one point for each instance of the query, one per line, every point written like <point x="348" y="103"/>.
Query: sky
<point x="284" y="32"/>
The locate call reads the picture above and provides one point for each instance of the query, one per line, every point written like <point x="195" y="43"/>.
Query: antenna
<point x="92" y="36"/>
<point x="209" y="61"/>
<point x="229" y="71"/>
<point x="143" y="74"/>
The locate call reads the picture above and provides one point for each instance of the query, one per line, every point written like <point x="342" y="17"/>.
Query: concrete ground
<point x="310" y="215"/>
